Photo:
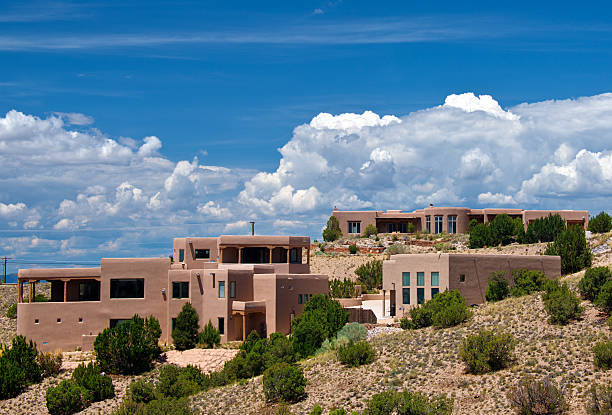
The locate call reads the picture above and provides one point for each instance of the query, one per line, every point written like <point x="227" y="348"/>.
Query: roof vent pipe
<point x="252" y="228"/>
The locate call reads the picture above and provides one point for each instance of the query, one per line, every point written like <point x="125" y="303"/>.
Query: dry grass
<point x="426" y="360"/>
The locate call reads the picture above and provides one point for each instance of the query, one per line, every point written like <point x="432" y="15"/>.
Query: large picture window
<point x="406" y="295"/>
<point x="202" y="253"/>
<point x="438" y="224"/>
<point x="180" y="289"/>
<point x="354" y="227"/>
<point x="127" y="288"/>
<point x="452" y="224"/>
<point x="89" y="291"/>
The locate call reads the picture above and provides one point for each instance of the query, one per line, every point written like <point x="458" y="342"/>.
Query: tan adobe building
<point x="413" y="279"/>
<point x="435" y="219"/>
<point x="239" y="283"/>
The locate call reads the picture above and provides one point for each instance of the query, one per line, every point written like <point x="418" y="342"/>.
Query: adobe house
<point x="239" y="283"/>
<point x="413" y="279"/>
<point x="435" y="219"/>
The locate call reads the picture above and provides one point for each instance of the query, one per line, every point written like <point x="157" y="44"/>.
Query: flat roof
<point x="58" y="273"/>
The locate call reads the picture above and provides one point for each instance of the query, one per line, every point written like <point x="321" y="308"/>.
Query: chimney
<point x="431" y="205"/>
<point x="252" y="228"/>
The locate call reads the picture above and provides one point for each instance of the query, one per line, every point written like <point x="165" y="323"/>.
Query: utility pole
<point x="4" y="258"/>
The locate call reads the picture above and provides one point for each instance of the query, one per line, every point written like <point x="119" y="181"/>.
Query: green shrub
<point x="480" y="236"/>
<point x="601" y="223"/>
<point x="370" y="230"/>
<point x="355" y="354"/>
<point x="141" y="391"/>
<point x="12" y="378"/>
<point x="167" y="406"/>
<point x="50" y="363"/>
<point x="599" y="400"/>
<point x="487" y="351"/>
<point x="279" y="349"/>
<point x="609" y="322"/>
<point x="532" y="397"/>
<point x="284" y="383"/>
<point x="185" y="333"/>
<point x="129" y="347"/>
<point x="396" y="249"/>
<point x="338" y="411"/>
<point x="446" y="309"/>
<point x="603" y="355"/>
<point x="209" y="337"/>
<point x="592" y="281"/>
<point x="408" y="403"/>
<point x="18" y="367"/>
<point x="353" y="332"/>
<point x="370" y="274"/>
<point x="498" y="287"/>
<point x="316" y="410"/>
<point x="406" y="323"/>
<point x="90" y="377"/>
<point x="11" y="311"/>
<point x="561" y="304"/>
<point x="342" y="288"/>
<point x="353" y="249"/>
<point x="527" y="282"/>
<point x="66" y="398"/>
<point x="335" y="316"/>
<point x="604" y="298"/>
<point x="332" y="231"/>
<point x="129" y="407"/>
<point x="308" y="332"/>
<point x="176" y="382"/>
<point x="545" y="229"/>
<point x="502" y="230"/>
<point x="572" y="247"/>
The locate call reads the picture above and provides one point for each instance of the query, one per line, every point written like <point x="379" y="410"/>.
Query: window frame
<point x="452" y="224"/>
<point x="181" y="255"/>
<point x="181" y="287"/>
<point x="428" y="223"/>
<point x="352" y="225"/>
<point x="206" y="253"/>
<point x="114" y="281"/>
<point x="420" y="279"/>
<point x="221" y="289"/>
<point x="404" y="276"/>
<point x="438" y="224"/>
<point x="420" y="295"/>
<point x="434" y="291"/>
<point x="437" y="283"/>
<point x="406" y="295"/>
<point x="221" y="325"/>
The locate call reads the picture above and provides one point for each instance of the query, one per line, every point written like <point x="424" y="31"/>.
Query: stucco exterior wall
<point x="475" y="269"/>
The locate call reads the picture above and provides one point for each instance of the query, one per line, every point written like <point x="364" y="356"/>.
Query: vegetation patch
<point x="487" y="351"/>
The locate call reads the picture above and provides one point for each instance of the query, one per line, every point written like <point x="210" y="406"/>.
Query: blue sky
<point x="232" y="82"/>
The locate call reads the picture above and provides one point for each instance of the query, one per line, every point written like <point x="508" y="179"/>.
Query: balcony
<point x="67" y="284"/>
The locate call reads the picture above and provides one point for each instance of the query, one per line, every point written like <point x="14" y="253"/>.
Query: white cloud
<point x="495" y="199"/>
<point x="241" y="225"/>
<point x="75" y="118"/>
<point x="469" y="102"/>
<point x="96" y="195"/>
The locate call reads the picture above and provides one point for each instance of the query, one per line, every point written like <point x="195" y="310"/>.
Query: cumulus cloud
<point x="97" y="195"/>
<point x="75" y="118"/>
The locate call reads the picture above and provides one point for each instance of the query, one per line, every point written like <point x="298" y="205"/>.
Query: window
<point x="420" y="278"/>
<point x="405" y="279"/>
<point x="127" y="288"/>
<point x="80" y="319"/>
<point x="397" y="227"/>
<point x="293" y="256"/>
<point x="438" y="224"/>
<point x="180" y="289"/>
<point x="221" y="325"/>
<point x="181" y="255"/>
<point x="173" y="323"/>
<point x="221" y="289"/>
<point x="114" y="322"/>
<point x="300" y="299"/>
<point x="354" y="227"/>
<point x="435" y="279"/>
<point x="35" y="321"/>
<point x="462" y="278"/>
<point x="434" y="291"/>
<point x="420" y="295"/>
<point x="428" y="224"/>
<point x="59" y="320"/>
<point x="202" y="253"/>
<point x="89" y="291"/>
<point x="405" y="295"/>
<point x="232" y="288"/>
<point x="452" y="224"/>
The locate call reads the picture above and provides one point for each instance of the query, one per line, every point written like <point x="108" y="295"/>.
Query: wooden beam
<point x="65" y="291"/>
<point x="244" y="327"/>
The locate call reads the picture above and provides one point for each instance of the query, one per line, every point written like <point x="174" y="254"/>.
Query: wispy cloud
<point x="42" y="11"/>
<point x="356" y="32"/>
